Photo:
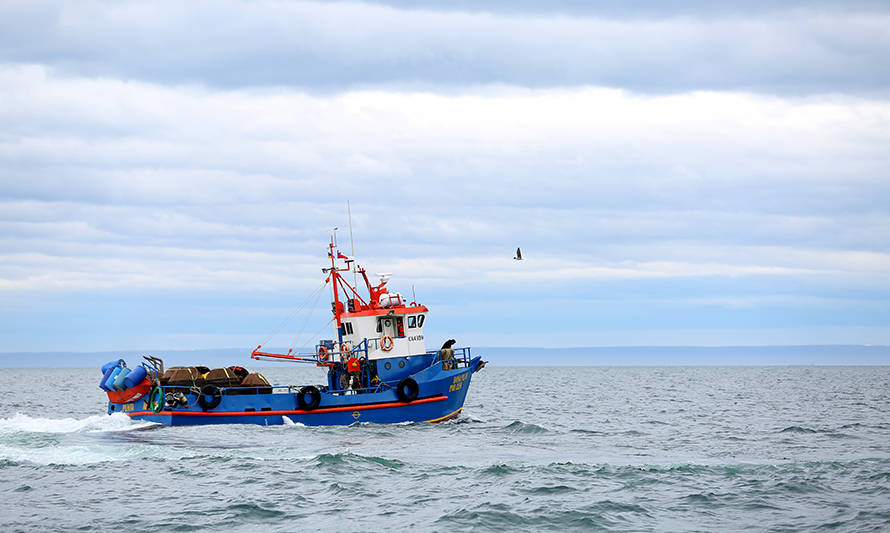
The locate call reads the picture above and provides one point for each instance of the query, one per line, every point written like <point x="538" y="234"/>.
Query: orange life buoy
<point x="322" y="353"/>
<point x="386" y="343"/>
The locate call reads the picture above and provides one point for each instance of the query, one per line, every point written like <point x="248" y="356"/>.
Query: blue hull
<point x="440" y="397"/>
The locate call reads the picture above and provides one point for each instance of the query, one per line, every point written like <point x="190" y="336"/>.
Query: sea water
<point x="536" y="449"/>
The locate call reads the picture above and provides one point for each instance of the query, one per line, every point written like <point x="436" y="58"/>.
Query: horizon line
<point x="597" y="347"/>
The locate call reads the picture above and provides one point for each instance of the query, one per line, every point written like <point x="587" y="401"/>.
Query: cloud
<point x="793" y="48"/>
<point x="714" y="171"/>
<point x="108" y="184"/>
<point x="576" y="148"/>
<point x="632" y="10"/>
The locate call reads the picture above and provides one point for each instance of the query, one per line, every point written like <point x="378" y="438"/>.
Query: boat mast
<point x="351" y="244"/>
<point x="335" y="277"/>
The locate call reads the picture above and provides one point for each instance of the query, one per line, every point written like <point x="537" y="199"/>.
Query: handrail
<point x="461" y="355"/>
<point x="361" y="347"/>
<point x="193" y="389"/>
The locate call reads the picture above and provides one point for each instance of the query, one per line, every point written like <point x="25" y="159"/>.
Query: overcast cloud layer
<point x="169" y="174"/>
<point x="791" y="47"/>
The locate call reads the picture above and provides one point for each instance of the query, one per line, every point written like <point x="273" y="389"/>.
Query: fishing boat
<point x="378" y="370"/>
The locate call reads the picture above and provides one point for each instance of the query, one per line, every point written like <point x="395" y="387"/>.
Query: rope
<point x="317" y="333"/>
<point x="306" y="320"/>
<point x="295" y="311"/>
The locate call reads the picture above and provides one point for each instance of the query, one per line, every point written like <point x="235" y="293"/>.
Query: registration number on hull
<point x="458" y="382"/>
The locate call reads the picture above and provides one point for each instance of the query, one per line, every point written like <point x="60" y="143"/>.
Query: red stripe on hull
<point x="363" y="407"/>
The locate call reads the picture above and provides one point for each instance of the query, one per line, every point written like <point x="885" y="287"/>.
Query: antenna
<point x="351" y="244"/>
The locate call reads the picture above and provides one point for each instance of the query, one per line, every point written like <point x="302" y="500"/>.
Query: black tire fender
<point x="407" y="390"/>
<point x="308" y="398"/>
<point x="210" y="396"/>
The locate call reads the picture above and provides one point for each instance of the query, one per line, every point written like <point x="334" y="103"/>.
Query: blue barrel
<point x="109" y="383"/>
<point x="112" y="364"/>
<point x="105" y="377"/>
<point x="135" y="377"/>
<point x="119" y="380"/>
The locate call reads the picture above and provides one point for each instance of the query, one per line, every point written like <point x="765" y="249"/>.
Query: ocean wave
<point x="499" y="470"/>
<point x="525" y="428"/>
<point x="252" y="511"/>
<point x="547" y="490"/>
<point x="702" y="497"/>
<point x="115" y="422"/>
<point x="571" y="470"/>
<point x="463" y="419"/>
<point x="350" y="460"/>
<point x="362" y="424"/>
<point x="798" y="429"/>
<point x="485" y="516"/>
<point x="586" y="431"/>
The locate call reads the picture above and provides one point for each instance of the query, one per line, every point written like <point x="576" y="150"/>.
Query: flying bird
<point x="518" y="255"/>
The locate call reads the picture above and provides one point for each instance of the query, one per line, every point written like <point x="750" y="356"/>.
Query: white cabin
<point x="404" y="325"/>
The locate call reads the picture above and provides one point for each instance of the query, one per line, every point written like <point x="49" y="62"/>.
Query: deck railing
<point x="461" y="358"/>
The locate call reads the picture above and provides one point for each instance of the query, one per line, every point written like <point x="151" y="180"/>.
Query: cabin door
<point x="387" y="326"/>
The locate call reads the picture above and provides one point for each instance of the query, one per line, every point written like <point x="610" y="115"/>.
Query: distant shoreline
<point x="803" y="355"/>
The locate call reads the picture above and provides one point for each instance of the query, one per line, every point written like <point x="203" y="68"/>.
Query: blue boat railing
<point x="461" y="359"/>
<point x="192" y="389"/>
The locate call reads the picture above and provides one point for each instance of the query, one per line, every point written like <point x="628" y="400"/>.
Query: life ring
<point x="345" y="348"/>
<point x="314" y="398"/>
<point x="407" y="390"/>
<point x="386" y="343"/>
<point x="322" y="353"/>
<point x="210" y="396"/>
<point x="156" y="399"/>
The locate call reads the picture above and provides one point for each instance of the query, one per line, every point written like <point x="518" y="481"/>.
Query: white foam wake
<point x="65" y="440"/>
<point x="288" y="422"/>
<point x="20" y="423"/>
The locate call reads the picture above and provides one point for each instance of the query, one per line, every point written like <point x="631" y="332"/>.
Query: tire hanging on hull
<point x="210" y="397"/>
<point x="314" y="398"/>
<point x="407" y="390"/>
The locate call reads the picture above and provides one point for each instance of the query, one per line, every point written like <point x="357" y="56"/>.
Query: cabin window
<point x="400" y="327"/>
<point x="379" y="326"/>
<point x="348" y="327"/>
<point x="412" y="321"/>
<point x="420" y="320"/>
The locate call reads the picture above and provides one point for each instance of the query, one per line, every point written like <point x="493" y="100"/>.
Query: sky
<point x="677" y="174"/>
